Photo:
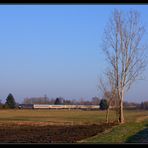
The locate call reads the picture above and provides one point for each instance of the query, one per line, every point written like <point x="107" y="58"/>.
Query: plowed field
<point x="14" y="133"/>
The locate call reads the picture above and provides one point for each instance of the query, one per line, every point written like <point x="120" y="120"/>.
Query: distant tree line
<point x="10" y="102"/>
<point x="104" y="102"/>
<point x="144" y="105"/>
<point x="61" y="101"/>
<point x="133" y="105"/>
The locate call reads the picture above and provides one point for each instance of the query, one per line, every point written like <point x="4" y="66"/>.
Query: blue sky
<point x="55" y="50"/>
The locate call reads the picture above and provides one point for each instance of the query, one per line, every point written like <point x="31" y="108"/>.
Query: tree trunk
<point x="121" y="116"/>
<point x="107" y="114"/>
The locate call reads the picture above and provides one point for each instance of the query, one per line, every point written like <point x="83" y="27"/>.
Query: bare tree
<point x="122" y="45"/>
<point x="108" y="91"/>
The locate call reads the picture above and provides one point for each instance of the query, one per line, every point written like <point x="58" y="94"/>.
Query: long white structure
<point x="48" y="106"/>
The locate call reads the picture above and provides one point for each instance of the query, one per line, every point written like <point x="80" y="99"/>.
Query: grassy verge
<point x="130" y="132"/>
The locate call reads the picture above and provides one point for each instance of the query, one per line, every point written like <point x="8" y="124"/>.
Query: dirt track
<point x="48" y="134"/>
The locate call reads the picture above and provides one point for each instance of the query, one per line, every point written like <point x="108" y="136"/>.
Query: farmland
<point x="72" y="126"/>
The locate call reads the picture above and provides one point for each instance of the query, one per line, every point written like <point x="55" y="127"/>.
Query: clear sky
<point x="55" y="50"/>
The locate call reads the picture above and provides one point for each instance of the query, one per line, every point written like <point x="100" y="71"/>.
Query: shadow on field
<point x="140" y="137"/>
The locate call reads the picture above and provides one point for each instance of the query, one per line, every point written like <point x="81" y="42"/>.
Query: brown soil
<point x="16" y="133"/>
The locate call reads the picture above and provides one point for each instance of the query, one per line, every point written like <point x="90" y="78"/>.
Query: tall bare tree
<point x="124" y="52"/>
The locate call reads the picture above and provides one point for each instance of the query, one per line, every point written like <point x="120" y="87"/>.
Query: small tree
<point x="59" y="101"/>
<point x="10" y="101"/>
<point x="103" y="104"/>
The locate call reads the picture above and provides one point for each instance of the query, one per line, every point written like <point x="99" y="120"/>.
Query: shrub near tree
<point x="104" y="104"/>
<point x="10" y="102"/>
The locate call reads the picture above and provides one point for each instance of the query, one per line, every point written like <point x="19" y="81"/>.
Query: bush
<point x="103" y="104"/>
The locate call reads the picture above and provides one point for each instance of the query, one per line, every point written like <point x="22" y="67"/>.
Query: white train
<point x="47" y="106"/>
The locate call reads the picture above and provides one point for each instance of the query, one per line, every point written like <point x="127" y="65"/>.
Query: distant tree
<point x="59" y="101"/>
<point x="81" y="101"/>
<point x="10" y="101"/>
<point x="27" y="101"/>
<point x="131" y="105"/>
<point x="95" y="100"/>
<point x="87" y="102"/>
<point x="36" y="100"/>
<point x="45" y="99"/>
<point x="51" y="101"/>
<point x="67" y="102"/>
<point x="103" y="104"/>
<point x="144" y="105"/>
